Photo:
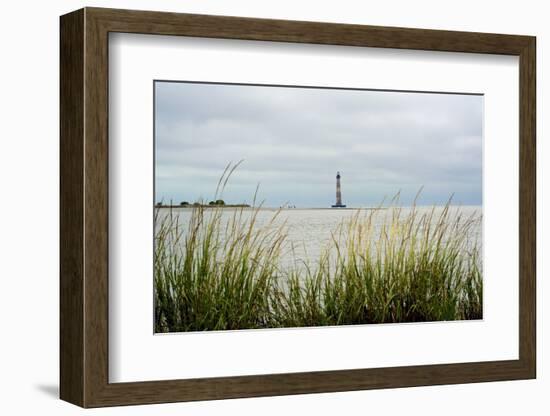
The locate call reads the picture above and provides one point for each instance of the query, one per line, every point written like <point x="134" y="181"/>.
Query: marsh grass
<point x="415" y="267"/>
<point x="219" y="273"/>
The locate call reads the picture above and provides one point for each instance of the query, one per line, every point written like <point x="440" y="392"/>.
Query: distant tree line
<point x="217" y="202"/>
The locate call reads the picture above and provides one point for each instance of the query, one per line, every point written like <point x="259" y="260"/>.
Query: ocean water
<point x="309" y="231"/>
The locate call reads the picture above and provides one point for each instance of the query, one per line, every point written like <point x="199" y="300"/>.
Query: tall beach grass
<point x="414" y="267"/>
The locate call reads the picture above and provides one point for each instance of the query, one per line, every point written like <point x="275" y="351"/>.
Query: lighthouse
<point x="338" y="193"/>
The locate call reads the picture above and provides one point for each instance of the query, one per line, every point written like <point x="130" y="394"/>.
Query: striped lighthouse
<point x="338" y="193"/>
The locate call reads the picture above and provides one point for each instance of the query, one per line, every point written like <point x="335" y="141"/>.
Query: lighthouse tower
<point x="338" y="193"/>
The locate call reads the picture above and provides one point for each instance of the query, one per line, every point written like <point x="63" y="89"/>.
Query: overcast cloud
<point x="293" y="140"/>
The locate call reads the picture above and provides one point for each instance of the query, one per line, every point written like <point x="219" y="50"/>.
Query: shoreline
<point x="190" y="207"/>
<point x="268" y="208"/>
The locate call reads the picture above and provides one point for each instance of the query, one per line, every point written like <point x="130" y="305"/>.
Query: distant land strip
<point x="191" y="206"/>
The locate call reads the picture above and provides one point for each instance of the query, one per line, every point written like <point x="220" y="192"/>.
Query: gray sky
<point x="293" y="140"/>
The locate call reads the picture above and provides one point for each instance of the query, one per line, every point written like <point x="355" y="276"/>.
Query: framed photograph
<point x="254" y="207"/>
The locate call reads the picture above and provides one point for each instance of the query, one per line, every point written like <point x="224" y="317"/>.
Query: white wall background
<point x="29" y="160"/>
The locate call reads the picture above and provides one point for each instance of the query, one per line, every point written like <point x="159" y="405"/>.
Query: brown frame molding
<point x="84" y="207"/>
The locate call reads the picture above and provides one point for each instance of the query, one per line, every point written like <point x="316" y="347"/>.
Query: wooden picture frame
<point x="84" y="207"/>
